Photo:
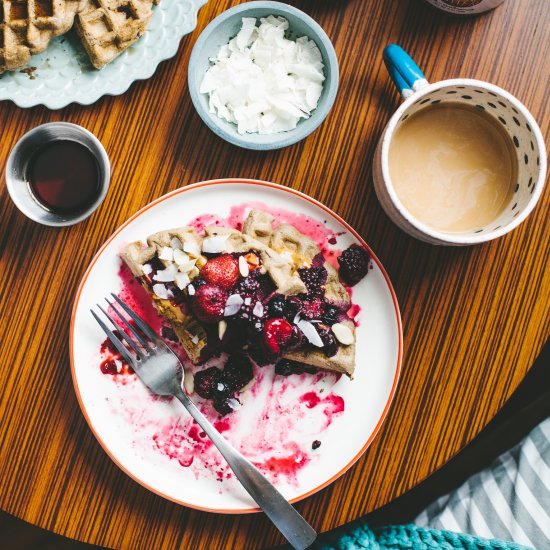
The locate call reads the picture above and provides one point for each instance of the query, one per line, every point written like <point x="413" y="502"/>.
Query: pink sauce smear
<point x="293" y="411"/>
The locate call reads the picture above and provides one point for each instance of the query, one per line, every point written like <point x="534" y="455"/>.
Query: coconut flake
<point x="175" y="243"/>
<point x="297" y="318"/>
<point x="162" y="292"/>
<point x="182" y="280"/>
<point x="180" y="257"/>
<point x="233" y="403"/>
<point x="166" y="253"/>
<point x="243" y="267"/>
<point x="258" y="310"/>
<point x="192" y="248"/>
<point x="191" y="290"/>
<point x="195" y="339"/>
<point x="247" y="301"/>
<point x="233" y="305"/>
<point x="167" y="275"/>
<point x="147" y="269"/>
<point x="310" y="333"/>
<point x="215" y="245"/>
<point x="343" y="334"/>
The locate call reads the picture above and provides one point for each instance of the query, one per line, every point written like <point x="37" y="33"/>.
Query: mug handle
<point x="404" y="72"/>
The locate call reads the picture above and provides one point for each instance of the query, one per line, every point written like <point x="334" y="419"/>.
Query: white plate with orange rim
<point x="281" y="419"/>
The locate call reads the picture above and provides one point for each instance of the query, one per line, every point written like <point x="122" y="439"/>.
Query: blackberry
<point x="276" y="306"/>
<point x="331" y="315"/>
<point x="237" y="372"/>
<point x="222" y="405"/>
<point x="169" y="334"/>
<point x="314" y="278"/>
<point x="248" y="287"/>
<point x="286" y="367"/>
<point x="293" y="304"/>
<point x="206" y="382"/>
<point x="316" y="444"/>
<point x="330" y="346"/>
<point x="197" y="283"/>
<point x="354" y="264"/>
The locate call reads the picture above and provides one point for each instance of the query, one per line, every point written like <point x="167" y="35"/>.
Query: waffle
<point x="282" y="251"/>
<point x="27" y="26"/>
<point x="107" y="27"/>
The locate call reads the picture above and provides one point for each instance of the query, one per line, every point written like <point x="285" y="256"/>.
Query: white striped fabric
<point x="510" y="500"/>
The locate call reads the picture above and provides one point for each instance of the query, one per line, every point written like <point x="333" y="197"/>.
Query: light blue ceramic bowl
<point x="226" y="26"/>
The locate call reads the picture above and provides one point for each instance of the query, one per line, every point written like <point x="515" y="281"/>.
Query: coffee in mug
<point x="453" y="167"/>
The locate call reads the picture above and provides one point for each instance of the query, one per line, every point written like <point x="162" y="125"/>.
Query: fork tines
<point x="144" y="337"/>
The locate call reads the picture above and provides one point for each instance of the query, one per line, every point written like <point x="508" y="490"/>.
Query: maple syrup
<point x="64" y="176"/>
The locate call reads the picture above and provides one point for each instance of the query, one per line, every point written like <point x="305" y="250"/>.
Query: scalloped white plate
<point x="63" y="74"/>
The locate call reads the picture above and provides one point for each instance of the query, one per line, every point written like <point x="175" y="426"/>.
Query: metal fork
<point x="161" y="371"/>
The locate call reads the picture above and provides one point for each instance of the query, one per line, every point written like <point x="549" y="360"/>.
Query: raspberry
<point x="237" y="372"/>
<point x="209" y="303"/>
<point x="206" y="382"/>
<point x="354" y="264"/>
<point x="277" y="335"/>
<point x="312" y="309"/>
<point x="314" y="278"/>
<point x="222" y="271"/>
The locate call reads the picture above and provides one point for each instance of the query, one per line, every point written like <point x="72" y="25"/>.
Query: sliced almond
<point x="222" y="327"/>
<point x="310" y="332"/>
<point x="166" y="253"/>
<point x="343" y="334"/>
<point x="189" y="381"/>
<point x="191" y="290"/>
<point x="243" y="267"/>
<point x="194" y="273"/>
<point x="162" y="292"/>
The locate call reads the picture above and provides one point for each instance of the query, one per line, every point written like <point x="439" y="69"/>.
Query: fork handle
<point x="290" y="523"/>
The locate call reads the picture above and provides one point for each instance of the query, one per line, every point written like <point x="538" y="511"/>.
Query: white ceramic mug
<point x="517" y="121"/>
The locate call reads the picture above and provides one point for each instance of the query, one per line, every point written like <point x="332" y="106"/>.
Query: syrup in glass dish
<point x="64" y="176"/>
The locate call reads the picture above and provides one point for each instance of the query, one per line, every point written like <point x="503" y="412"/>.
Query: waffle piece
<point x="107" y="27"/>
<point x="27" y="26"/>
<point x="282" y="252"/>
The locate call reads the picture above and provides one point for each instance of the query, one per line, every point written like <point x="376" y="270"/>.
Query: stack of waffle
<point x="105" y="27"/>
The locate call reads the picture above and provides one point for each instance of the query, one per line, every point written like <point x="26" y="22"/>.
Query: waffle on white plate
<point x="265" y="291"/>
<point x="106" y="27"/>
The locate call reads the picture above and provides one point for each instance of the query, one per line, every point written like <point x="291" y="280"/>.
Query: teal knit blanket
<point x="395" y="537"/>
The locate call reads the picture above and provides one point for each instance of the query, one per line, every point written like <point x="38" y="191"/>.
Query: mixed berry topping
<point x="354" y="264"/>
<point x="243" y="314"/>
<point x="209" y="303"/>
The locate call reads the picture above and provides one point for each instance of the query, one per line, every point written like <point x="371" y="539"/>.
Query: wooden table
<point x="474" y="318"/>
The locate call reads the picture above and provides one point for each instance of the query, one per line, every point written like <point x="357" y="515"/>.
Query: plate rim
<point x="253" y="182"/>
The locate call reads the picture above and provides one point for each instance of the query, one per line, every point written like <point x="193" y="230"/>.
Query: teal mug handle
<point x="404" y="72"/>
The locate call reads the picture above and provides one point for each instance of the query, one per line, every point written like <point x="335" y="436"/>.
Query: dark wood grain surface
<point x="474" y="318"/>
